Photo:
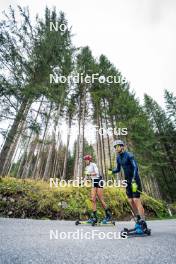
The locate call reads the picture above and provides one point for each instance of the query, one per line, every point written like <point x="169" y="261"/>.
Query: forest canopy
<point x="35" y="108"/>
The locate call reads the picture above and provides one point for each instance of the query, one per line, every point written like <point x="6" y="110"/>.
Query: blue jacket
<point x="127" y="161"/>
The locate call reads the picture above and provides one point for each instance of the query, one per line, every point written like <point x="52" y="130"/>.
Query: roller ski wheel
<point x="77" y="222"/>
<point x="111" y="223"/>
<point x="126" y="230"/>
<point x="94" y="221"/>
<point x="148" y="232"/>
<point x="124" y="233"/>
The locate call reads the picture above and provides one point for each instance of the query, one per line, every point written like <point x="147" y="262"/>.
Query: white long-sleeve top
<point x="92" y="167"/>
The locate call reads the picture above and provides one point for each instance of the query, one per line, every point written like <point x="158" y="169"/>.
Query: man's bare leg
<point x="133" y="207"/>
<point x="139" y="206"/>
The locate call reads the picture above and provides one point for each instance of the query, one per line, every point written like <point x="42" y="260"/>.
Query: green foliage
<point x="170" y="100"/>
<point x="164" y="150"/>
<point x="29" y="53"/>
<point x="31" y="199"/>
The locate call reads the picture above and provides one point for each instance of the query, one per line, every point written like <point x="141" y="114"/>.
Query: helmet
<point x="88" y="157"/>
<point x="118" y="142"/>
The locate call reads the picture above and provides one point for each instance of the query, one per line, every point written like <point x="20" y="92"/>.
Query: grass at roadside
<point x="35" y="199"/>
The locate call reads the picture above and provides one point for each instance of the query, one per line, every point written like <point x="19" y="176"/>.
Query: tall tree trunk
<point x="66" y="151"/>
<point x="26" y="159"/>
<point x="81" y="140"/>
<point x="15" y="155"/>
<point x="164" y="143"/>
<point x="103" y="151"/>
<point x="56" y="163"/>
<point x="47" y="170"/>
<point x="99" y="146"/>
<point x="11" y="140"/>
<point x="27" y="168"/>
<point x="76" y="157"/>
<point x="36" y="171"/>
<point x="48" y="167"/>
<point x="58" y="166"/>
<point x="108" y="142"/>
<point x="156" y="187"/>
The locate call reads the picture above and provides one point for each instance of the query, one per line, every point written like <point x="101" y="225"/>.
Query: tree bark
<point x="81" y="139"/>
<point x="27" y="158"/>
<point x="36" y="171"/>
<point x="10" y="143"/>
<point x="66" y="151"/>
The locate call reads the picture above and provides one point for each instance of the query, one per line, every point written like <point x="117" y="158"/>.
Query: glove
<point x="110" y="172"/>
<point x="134" y="186"/>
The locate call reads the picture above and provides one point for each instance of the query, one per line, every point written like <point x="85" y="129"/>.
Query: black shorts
<point x="97" y="183"/>
<point x="129" y="191"/>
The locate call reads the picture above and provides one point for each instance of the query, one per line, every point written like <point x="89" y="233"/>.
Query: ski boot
<point x="140" y="229"/>
<point x="93" y="219"/>
<point x="108" y="217"/>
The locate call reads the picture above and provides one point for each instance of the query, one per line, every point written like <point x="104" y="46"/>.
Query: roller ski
<point x="104" y="223"/>
<point x="94" y="222"/>
<point x="140" y="229"/>
<point x="91" y="221"/>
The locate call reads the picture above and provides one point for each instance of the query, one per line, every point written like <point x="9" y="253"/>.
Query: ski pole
<point x="135" y="189"/>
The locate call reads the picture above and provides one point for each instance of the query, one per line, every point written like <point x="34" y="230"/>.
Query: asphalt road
<point x="44" y="241"/>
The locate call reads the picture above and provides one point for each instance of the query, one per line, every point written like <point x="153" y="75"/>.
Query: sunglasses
<point x="118" y="146"/>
